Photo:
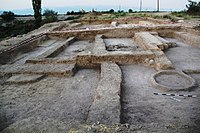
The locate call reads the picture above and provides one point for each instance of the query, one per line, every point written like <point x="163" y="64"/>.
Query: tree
<point x="50" y="15"/>
<point x="37" y="11"/>
<point x="130" y="10"/>
<point x="8" y="16"/>
<point x="68" y="13"/>
<point x="72" y="12"/>
<point x="193" y="7"/>
<point x="112" y="10"/>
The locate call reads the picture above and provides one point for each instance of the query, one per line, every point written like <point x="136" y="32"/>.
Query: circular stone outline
<point x="168" y="88"/>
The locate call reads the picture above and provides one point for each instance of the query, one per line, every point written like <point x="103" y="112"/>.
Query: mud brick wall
<point x="112" y="32"/>
<point x="57" y="70"/>
<point x="106" y="107"/>
<point x="57" y="49"/>
<point x="60" y="60"/>
<point x="100" y="54"/>
<point x="188" y="38"/>
<point x="148" y="41"/>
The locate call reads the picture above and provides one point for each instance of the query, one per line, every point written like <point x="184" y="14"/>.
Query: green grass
<point x="182" y="14"/>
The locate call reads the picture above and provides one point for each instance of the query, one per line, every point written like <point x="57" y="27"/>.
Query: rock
<point x="114" y="24"/>
<point x="146" y="60"/>
<point x="180" y="21"/>
<point x="151" y="62"/>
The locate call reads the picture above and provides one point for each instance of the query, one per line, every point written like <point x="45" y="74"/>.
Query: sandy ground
<point x="48" y="104"/>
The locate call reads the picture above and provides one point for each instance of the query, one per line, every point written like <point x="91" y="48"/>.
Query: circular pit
<point x="169" y="80"/>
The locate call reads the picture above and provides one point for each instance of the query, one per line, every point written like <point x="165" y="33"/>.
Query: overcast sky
<point x="24" y="4"/>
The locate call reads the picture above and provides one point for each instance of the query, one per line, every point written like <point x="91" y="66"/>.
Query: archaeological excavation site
<point x="127" y="75"/>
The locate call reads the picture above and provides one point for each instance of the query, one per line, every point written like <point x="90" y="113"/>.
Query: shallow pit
<point x="76" y="47"/>
<point x="172" y="81"/>
<point x="120" y="44"/>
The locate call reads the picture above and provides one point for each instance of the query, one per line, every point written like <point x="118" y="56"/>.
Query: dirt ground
<point x="76" y="47"/>
<point x="52" y="104"/>
<point x="63" y="104"/>
<point x="153" y="113"/>
<point x="184" y="56"/>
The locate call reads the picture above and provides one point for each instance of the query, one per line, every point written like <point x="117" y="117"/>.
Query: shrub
<point x="68" y="13"/>
<point x="50" y="15"/>
<point x="167" y="16"/>
<point x="111" y="10"/>
<point x="193" y="7"/>
<point x="72" y="12"/>
<point x="130" y="10"/>
<point x="157" y="17"/>
<point x="8" y="16"/>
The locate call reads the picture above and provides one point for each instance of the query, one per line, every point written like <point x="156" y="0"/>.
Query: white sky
<point x="24" y="4"/>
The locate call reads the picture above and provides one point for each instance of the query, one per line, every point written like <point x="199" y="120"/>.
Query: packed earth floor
<point x="84" y="78"/>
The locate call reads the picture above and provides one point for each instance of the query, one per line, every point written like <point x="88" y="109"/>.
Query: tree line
<point x="193" y="8"/>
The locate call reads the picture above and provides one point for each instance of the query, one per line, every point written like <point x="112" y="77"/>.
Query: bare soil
<point x="48" y="104"/>
<point x="154" y="113"/>
<point x="184" y="56"/>
<point x="76" y="47"/>
<point x="63" y="104"/>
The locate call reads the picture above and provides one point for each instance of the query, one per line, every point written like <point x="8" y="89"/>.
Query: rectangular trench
<point x="40" y="49"/>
